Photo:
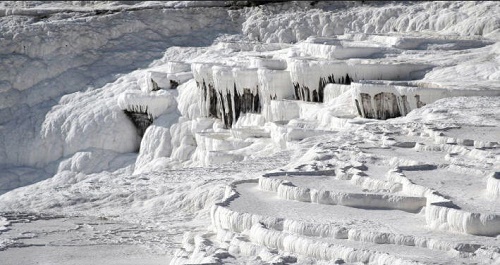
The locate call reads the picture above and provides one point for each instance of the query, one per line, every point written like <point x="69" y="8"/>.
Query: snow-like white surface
<point x="261" y="149"/>
<point x="60" y="53"/>
<point x="277" y="24"/>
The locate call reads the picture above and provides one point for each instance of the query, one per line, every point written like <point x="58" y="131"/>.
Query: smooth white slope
<point x="47" y="59"/>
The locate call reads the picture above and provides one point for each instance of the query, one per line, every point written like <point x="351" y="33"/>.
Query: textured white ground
<point x="302" y="182"/>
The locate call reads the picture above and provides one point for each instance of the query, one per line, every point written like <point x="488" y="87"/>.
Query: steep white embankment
<point x="44" y="61"/>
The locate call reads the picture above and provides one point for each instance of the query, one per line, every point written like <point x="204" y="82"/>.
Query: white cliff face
<point x="299" y="132"/>
<point x="44" y="61"/>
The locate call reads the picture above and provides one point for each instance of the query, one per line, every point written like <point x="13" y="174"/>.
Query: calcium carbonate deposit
<point x="249" y="132"/>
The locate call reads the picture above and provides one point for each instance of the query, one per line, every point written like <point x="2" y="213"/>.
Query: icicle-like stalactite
<point x="383" y="105"/>
<point x="213" y="102"/>
<point x="383" y="101"/>
<point x="310" y="77"/>
<point x="387" y="105"/>
<point x="237" y="92"/>
<point x="209" y="102"/>
<point x="142" y="108"/>
<point x="226" y="93"/>
<point x="224" y="85"/>
<point x="316" y="94"/>
<point x="140" y="117"/>
<point x="247" y="89"/>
